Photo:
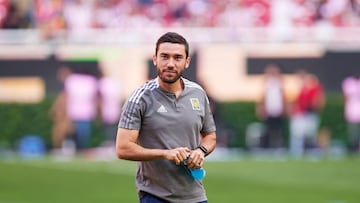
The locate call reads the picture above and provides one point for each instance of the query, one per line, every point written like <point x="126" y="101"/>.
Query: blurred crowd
<point x="300" y="117"/>
<point x="80" y="14"/>
<point x="83" y="100"/>
<point x="77" y="16"/>
<point x="274" y="109"/>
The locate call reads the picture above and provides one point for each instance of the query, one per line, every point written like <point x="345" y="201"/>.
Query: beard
<point x="169" y="78"/>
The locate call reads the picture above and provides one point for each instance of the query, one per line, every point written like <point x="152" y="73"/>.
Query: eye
<point x="178" y="57"/>
<point x="164" y="56"/>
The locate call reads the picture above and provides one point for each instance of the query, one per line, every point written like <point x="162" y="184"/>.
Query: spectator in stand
<point x="13" y="16"/>
<point x="4" y="10"/>
<point x="49" y="17"/>
<point x="271" y="109"/>
<point x="235" y="15"/>
<point x="103" y="14"/>
<point x="81" y="100"/>
<point x="260" y="11"/>
<point x="333" y="12"/>
<point x="351" y="92"/>
<point x="304" y="122"/>
<point x="53" y="15"/>
<point x="303" y="13"/>
<point x="79" y="18"/>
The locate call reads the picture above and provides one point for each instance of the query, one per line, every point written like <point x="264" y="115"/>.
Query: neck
<point x="176" y="87"/>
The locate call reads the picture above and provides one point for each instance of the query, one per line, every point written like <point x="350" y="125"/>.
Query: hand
<point x="177" y="155"/>
<point x="196" y="159"/>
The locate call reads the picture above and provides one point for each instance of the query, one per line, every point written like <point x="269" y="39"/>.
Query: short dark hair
<point x="172" y="37"/>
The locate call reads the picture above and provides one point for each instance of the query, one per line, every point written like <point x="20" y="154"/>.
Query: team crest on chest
<point x="195" y="104"/>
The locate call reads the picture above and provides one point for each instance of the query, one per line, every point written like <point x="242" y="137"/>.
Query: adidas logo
<point x="161" y="109"/>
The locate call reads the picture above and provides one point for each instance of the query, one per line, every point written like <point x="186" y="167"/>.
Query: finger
<point x="179" y="157"/>
<point x="177" y="161"/>
<point x="184" y="155"/>
<point x="200" y="164"/>
<point x="201" y="160"/>
<point x="193" y="158"/>
<point x="191" y="166"/>
<point x="194" y="163"/>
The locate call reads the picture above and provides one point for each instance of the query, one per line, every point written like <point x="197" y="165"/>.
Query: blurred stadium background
<point x="231" y="41"/>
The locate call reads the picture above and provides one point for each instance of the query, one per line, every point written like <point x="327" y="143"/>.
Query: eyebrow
<point x="175" y="55"/>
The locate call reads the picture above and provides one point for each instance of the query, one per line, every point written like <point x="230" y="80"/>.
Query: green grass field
<point x="245" y="180"/>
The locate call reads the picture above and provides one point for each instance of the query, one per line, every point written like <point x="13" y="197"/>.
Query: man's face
<point x="170" y="61"/>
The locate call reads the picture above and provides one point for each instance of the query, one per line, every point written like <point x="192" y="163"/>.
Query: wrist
<point x="203" y="149"/>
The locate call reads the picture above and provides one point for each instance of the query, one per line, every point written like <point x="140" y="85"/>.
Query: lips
<point x="169" y="71"/>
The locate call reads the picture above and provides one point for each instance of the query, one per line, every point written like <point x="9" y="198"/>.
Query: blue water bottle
<point x="196" y="174"/>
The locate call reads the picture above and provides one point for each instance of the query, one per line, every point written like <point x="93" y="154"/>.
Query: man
<point x="305" y="117"/>
<point x="271" y="108"/>
<point x="351" y="93"/>
<point x="81" y="105"/>
<point x="165" y="122"/>
<point x="62" y="126"/>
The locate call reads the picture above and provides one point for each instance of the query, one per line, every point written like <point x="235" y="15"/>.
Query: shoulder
<point x="141" y="91"/>
<point x="192" y="85"/>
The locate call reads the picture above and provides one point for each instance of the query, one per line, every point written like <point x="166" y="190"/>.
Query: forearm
<point x="128" y="149"/>
<point x="209" y="141"/>
<point x="134" y="152"/>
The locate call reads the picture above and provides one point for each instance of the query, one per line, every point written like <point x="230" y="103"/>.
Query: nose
<point x="171" y="63"/>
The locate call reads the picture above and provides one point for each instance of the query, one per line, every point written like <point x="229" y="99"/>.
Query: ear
<point x="154" y="60"/>
<point x="187" y="63"/>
